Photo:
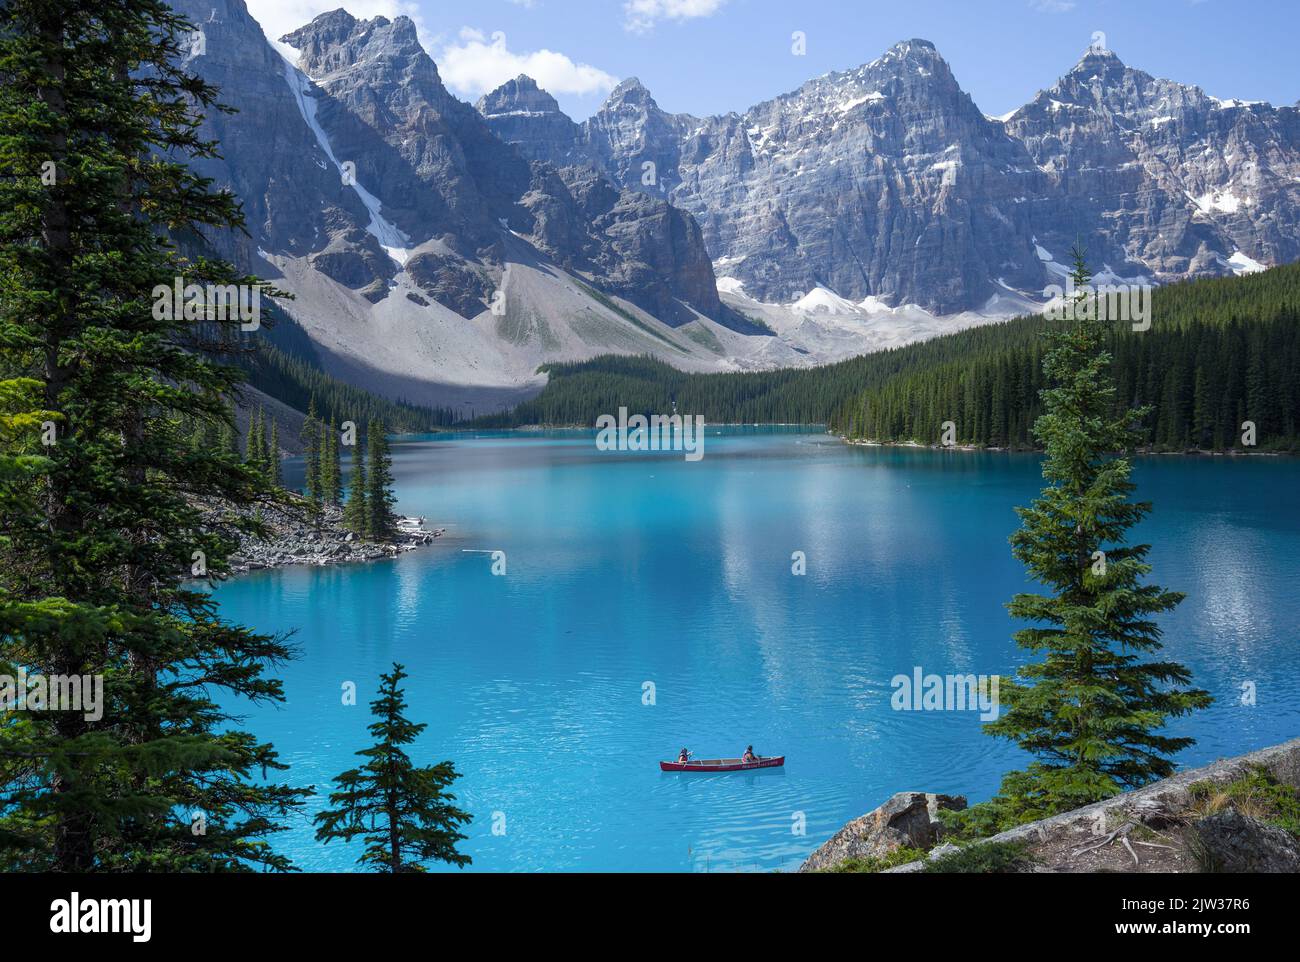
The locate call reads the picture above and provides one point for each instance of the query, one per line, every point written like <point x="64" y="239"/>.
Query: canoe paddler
<point x="749" y="755"/>
<point x="683" y="757"/>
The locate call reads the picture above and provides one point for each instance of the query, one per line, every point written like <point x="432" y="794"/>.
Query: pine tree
<point x="203" y="437"/>
<point x="329" y="480"/>
<point x="227" y="441"/>
<point x="356" y="513"/>
<point x="336" y="468"/>
<point x="263" y="445"/>
<point x="379" y="485"/>
<point x="273" y="453"/>
<point x="1090" y="710"/>
<point x="227" y="436"/>
<point x="253" y="440"/>
<point x="403" y="813"/>
<point x="311" y="454"/>
<point x="1202" y="417"/>
<point x="98" y="535"/>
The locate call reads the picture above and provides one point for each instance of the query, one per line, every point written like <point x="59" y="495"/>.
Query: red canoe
<point x="722" y="764"/>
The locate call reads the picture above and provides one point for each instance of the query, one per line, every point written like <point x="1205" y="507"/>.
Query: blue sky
<point x="711" y="56"/>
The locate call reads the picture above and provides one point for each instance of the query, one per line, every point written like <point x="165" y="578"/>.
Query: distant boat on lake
<point x="722" y="764"/>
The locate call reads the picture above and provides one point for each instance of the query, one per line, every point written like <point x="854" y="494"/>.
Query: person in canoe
<point x="749" y="756"/>
<point x="683" y="757"/>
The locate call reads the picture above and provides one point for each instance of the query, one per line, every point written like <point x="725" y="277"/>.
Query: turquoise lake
<point x="623" y="569"/>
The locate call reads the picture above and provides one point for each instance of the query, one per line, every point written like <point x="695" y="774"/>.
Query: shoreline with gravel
<point x="293" y="539"/>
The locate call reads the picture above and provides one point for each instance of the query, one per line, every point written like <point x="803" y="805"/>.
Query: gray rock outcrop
<point x="1092" y="838"/>
<point x="908" y="819"/>
<point x="1232" y="842"/>
<point x="530" y="119"/>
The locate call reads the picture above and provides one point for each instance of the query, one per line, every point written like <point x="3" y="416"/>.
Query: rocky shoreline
<point x="1192" y="821"/>
<point x="295" y="540"/>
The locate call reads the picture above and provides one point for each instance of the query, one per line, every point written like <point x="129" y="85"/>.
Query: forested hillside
<point x="578" y="393"/>
<point x="295" y="381"/>
<point x="1219" y="352"/>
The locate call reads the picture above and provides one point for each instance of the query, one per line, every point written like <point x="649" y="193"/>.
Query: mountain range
<point x="887" y="181"/>
<point x="441" y="252"/>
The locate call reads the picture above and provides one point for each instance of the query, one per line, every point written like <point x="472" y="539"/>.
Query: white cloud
<point x="642" y="15"/>
<point x="477" y="63"/>
<point x="1052" y="6"/>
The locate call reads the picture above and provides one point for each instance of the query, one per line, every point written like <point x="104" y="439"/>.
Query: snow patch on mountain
<point x="392" y="240"/>
<point x="1224" y="201"/>
<point x="1241" y="264"/>
<point x="1053" y="268"/>
<point x="822" y="300"/>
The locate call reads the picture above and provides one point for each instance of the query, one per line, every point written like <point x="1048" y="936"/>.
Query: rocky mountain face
<point x="523" y="114"/>
<point x="441" y="253"/>
<point x="645" y="249"/>
<point x="429" y="157"/>
<point x="1177" y="182"/>
<point x="445" y="176"/>
<point x="293" y="198"/>
<point x="638" y="143"/>
<point x="887" y="182"/>
<point x="648" y="251"/>
<point x="358" y="158"/>
<point x="424" y="251"/>
<point x="884" y="181"/>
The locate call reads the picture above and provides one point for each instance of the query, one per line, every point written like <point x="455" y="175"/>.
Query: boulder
<point x="907" y="819"/>
<point x="1232" y="842"/>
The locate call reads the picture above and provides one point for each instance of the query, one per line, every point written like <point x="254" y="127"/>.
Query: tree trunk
<point x="73" y="833"/>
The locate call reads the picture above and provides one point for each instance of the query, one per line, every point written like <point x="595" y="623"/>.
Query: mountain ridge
<point x="429" y="260"/>
<point x="1191" y="224"/>
<point x="442" y="253"/>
